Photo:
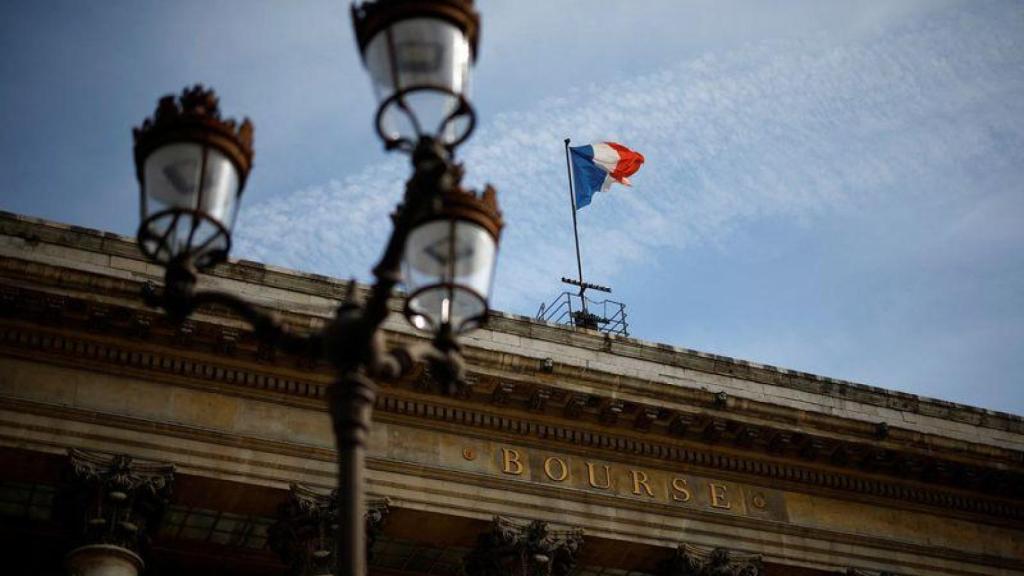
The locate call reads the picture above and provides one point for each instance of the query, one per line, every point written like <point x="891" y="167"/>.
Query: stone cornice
<point x="112" y="299"/>
<point x="67" y="298"/>
<point x="635" y="404"/>
<point x="406" y="405"/>
<point x="35" y="231"/>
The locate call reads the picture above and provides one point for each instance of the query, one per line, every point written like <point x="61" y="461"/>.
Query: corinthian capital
<point x="117" y="500"/>
<point x="513" y="548"/>
<point x="304" y="535"/>
<point x="694" y="561"/>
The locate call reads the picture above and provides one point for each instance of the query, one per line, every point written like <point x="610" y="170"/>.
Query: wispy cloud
<point x="335" y="228"/>
<point x="780" y="129"/>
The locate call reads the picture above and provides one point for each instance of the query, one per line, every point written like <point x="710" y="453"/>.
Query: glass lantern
<point x="192" y="167"/>
<point x="418" y="54"/>
<point x="449" y="263"/>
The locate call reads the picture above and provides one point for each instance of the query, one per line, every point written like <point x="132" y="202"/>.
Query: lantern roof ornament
<point x="194" y="116"/>
<point x="466" y="204"/>
<point x="482" y="209"/>
<point x="370" y="18"/>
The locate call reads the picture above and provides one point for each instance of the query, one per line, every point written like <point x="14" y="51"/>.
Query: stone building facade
<point x="128" y="444"/>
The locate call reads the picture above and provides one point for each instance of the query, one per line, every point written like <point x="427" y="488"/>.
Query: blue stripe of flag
<point x="587" y="176"/>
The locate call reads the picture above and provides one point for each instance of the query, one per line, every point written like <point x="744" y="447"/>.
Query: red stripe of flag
<point x="629" y="162"/>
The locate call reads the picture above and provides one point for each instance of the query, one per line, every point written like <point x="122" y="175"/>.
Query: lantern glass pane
<point x="415" y="54"/>
<point x="220" y="188"/>
<point x="424" y="114"/>
<point x="424" y="51"/>
<point x="172" y="181"/>
<point x="460" y="308"/>
<point x="172" y="176"/>
<point x="449" y="266"/>
<point x="191" y="194"/>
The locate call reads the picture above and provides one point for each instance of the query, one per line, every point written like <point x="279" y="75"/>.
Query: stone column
<point x="694" y="561"/>
<point x="304" y="535"/>
<point x="116" y="505"/>
<point x="515" y="548"/>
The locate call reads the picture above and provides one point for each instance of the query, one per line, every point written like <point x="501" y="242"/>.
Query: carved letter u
<point x="593" y="480"/>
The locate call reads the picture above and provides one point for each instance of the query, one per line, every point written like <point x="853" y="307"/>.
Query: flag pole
<point x="575" y="231"/>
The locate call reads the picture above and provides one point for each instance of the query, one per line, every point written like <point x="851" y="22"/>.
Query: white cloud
<point x="337" y="228"/>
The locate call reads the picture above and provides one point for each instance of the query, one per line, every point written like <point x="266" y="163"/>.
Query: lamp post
<point x="192" y="165"/>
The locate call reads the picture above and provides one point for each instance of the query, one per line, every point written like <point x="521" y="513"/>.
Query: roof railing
<point x="571" y="309"/>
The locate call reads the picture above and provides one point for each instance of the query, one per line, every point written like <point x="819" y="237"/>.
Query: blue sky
<point x="834" y="187"/>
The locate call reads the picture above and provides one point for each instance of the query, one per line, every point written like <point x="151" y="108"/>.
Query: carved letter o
<point x="564" y="473"/>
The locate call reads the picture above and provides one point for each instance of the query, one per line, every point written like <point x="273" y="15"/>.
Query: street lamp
<point x="449" y="263"/>
<point x="418" y="55"/>
<point x="192" y="166"/>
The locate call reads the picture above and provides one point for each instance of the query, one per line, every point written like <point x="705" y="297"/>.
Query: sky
<point x="832" y="187"/>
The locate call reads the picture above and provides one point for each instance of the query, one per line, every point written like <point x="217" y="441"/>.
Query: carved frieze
<point x="714" y="429"/>
<point x="574" y="406"/>
<point x="117" y="500"/>
<point x="515" y="548"/>
<point x="502" y="393"/>
<point x="746" y="436"/>
<point x="680" y="424"/>
<point x="427" y="381"/>
<point x="539" y="399"/>
<point x="695" y="561"/>
<point x="646" y="416"/>
<point x="610" y="412"/>
<point x="304" y="535"/>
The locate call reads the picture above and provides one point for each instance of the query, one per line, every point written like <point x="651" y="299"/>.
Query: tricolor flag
<point x="596" y="166"/>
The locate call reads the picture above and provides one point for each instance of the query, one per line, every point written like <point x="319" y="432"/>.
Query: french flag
<point x="596" y="166"/>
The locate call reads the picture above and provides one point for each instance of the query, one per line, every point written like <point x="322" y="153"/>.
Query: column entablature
<point x="715" y="440"/>
<point x="638" y="442"/>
